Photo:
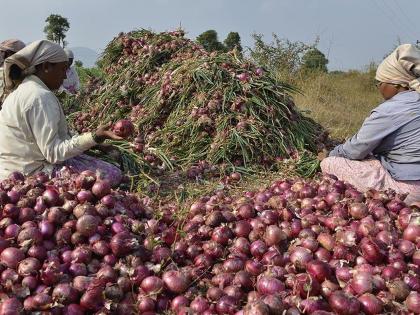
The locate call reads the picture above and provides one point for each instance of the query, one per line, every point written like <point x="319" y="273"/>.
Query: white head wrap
<point x="69" y="53"/>
<point x="402" y="67"/>
<point x="32" y="55"/>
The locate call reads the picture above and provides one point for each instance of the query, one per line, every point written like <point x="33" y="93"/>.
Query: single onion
<point x="123" y="128"/>
<point x="370" y="304"/>
<point x="11" y="256"/>
<point x="344" y="304"/>
<point x="269" y="285"/>
<point x="101" y="188"/>
<point x="152" y="285"/>
<point x="413" y="302"/>
<point x="176" y="281"/>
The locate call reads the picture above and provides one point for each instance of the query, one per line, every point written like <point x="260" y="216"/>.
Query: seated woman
<point x="385" y="152"/>
<point x="34" y="136"/>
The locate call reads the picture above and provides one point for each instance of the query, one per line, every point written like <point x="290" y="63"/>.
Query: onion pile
<point x="296" y="247"/>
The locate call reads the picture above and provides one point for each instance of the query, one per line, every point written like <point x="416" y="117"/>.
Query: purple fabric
<point x="85" y="162"/>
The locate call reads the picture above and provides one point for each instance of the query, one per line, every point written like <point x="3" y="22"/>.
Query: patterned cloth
<point x="85" y="162"/>
<point x="367" y="174"/>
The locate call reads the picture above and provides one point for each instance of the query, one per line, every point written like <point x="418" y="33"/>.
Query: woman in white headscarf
<point x="72" y="83"/>
<point x="7" y="49"/>
<point x="34" y="136"/>
<point x="385" y="152"/>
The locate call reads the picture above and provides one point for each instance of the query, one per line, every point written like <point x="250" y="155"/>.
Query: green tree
<point x="314" y="59"/>
<point x="210" y="41"/>
<point x="78" y="63"/>
<point x="232" y="41"/>
<point x="56" y="28"/>
<point x="281" y="56"/>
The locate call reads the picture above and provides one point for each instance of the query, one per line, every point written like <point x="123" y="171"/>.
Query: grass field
<point x="339" y="101"/>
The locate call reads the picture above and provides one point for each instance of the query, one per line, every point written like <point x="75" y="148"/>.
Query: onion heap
<point x="189" y="105"/>
<point x="76" y="246"/>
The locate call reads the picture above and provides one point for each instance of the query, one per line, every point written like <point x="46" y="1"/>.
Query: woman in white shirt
<point x="34" y="136"/>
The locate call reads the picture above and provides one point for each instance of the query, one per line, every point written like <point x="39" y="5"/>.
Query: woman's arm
<point x="374" y="129"/>
<point x="43" y="118"/>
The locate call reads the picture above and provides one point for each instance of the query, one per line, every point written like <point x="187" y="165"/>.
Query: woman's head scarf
<point x="32" y="55"/>
<point x="12" y="45"/>
<point x="401" y="67"/>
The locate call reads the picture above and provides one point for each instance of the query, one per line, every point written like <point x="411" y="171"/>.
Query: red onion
<point x="319" y="270"/>
<point x="11" y="256"/>
<point x="123" y="128"/>
<point x="344" y="304"/>
<point x="199" y="304"/>
<point x="29" y="267"/>
<point x="358" y="210"/>
<point x="175" y="281"/>
<point x="300" y="257"/>
<point x="64" y="293"/>
<point x="362" y="283"/>
<point x="269" y="285"/>
<point x="178" y="302"/>
<point x="413" y="302"/>
<point x="306" y="286"/>
<point x="242" y="228"/>
<point x="258" y="248"/>
<point x="222" y="235"/>
<point x="11" y="306"/>
<point x="370" y="304"/>
<point x="152" y="285"/>
<point x="372" y="251"/>
<point x="51" y="197"/>
<point x="274" y="235"/>
<point x="101" y="188"/>
<point x="412" y="233"/>
<point x="145" y="304"/>
<point x="226" y="305"/>
<point x="326" y="241"/>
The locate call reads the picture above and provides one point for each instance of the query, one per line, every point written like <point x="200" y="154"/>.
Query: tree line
<point x="280" y="55"/>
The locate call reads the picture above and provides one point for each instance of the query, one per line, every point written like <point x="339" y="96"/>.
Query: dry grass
<point x="339" y="101"/>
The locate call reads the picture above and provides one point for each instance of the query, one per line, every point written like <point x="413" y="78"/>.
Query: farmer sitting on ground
<point x="34" y="135"/>
<point x="7" y="48"/>
<point x="385" y="152"/>
<point x="72" y="83"/>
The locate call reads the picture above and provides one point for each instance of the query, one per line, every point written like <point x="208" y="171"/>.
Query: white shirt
<point x="72" y="83"/>
<point x="33" y="131"/>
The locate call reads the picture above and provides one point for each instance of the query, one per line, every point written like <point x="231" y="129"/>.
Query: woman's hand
<point x="103" y="133"/>
<point x="323" y="154"/>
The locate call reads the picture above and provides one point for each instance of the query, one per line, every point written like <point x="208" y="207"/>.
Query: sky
<point x="352" y="33"/>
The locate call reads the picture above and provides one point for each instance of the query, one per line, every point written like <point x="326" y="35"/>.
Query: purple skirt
<point x="85" y="162"/>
